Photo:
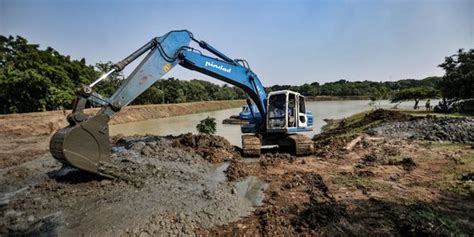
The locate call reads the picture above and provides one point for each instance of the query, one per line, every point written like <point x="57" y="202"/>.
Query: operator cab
<point x="287" y="113"/>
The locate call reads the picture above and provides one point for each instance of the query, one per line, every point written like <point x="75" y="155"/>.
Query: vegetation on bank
<point x="207" y="126"/>
<point x="34" y="79"/>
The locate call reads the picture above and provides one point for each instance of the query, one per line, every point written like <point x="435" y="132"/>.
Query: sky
<point x="286" y="42"/>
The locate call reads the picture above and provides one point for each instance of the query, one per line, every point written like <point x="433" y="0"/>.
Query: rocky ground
<point x="367" y="177"/>
<point x="429" y="128"/>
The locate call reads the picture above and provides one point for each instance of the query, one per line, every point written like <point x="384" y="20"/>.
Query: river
<point x="187" y="123"/>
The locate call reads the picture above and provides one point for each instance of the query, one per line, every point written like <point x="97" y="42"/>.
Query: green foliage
<point x="172" y="90"/>
<point x="378" y="95"/>
<point x="458" y="81"/>
<point x="32" y="79"/>
<point x="358" y="88"/>
<point x="207" y="126"/>
<point x="416" y="94"/>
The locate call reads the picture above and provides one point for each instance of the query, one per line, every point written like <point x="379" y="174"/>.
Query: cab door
<point x="302" y="116"/>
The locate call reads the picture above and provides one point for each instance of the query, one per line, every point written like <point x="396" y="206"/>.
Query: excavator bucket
<point x="83" y="145"/>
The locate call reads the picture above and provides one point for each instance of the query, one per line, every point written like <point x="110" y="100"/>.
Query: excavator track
<point x="298" y="144"/>
<point x="251" y="145"/>
<point x="303" y="145"/>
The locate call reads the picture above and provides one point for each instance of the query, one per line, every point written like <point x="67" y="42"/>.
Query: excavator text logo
<point x="220" y="67"/>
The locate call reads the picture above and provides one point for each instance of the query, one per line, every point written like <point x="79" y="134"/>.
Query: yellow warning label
<point x="166" y="67"/>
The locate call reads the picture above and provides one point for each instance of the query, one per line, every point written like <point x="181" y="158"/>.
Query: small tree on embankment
<point x="207" y="126"/>
<point x="414" y="94"/>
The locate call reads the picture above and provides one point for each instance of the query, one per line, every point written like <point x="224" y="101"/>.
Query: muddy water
<point x="187" y="123"/>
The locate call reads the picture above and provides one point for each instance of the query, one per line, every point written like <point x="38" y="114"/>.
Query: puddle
<point x="218" y="175"/>
<point x="252" y="189"/>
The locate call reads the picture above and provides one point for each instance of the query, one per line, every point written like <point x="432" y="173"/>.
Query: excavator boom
<point x="85" y="142"/>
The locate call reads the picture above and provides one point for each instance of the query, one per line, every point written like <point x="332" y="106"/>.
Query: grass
<point x="351" y="124"/>
<point x="424" y="215"/>
<point x="454" y="169"/>
<point x="431" y="113"/>
<point x="352" y="180"/>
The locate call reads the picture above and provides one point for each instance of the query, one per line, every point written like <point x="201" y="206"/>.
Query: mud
<point x="162" y="186"/>
<point x="357" y="184"/>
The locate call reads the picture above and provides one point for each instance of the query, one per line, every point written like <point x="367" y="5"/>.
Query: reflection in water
<point x="187" y="123"/>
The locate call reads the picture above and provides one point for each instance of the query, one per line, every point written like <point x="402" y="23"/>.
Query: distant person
<point x="428" y="105"/>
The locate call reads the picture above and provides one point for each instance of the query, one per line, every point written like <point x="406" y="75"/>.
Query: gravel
<point x="459" y="130"/>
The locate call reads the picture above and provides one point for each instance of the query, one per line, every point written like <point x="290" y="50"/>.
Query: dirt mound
<point x="375" y="158"/>
<point x="332" y="148"/>
<point x="275" y="159"/>
<point x="385" y="115"/>
<point x="370" y="119"/>
<point x="215" y="149"/>
<point x="332" y="142"/>
<point x="429" y="128"/>
<point x="236" y="170"/>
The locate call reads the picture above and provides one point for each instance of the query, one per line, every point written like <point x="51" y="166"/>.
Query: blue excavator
<point x="85" y="143"/>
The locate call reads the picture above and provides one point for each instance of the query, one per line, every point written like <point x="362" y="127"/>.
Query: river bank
<point x="363" y="179"/>
<point x="335" y="98"/>
<point x="43" y="123"/>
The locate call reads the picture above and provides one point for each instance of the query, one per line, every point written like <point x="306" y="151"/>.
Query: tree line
<point x="34" y="79"/>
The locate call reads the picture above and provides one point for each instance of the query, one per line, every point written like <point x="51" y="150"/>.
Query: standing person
<point x="428" y="105"/>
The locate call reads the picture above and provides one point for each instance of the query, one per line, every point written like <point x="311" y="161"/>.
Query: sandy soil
<point x="357" y="184"/>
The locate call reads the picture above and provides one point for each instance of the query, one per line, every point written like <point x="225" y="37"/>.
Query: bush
<point x="207" y="126"/>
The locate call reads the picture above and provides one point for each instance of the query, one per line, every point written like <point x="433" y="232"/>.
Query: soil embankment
<point x="358" y="183"/>
<point x="44" y="123"/>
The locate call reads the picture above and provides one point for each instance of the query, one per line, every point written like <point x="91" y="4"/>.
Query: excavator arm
<point x="85" y="142"/>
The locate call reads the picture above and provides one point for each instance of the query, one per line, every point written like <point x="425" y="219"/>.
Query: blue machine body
<point x="172" y="49"/>
<point x="246" y="113"/>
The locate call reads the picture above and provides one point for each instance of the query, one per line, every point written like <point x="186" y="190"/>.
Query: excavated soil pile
<point x="236" y="171"/>
<point x="429" y="128"/>
<point x="162" y="186"/>
<point x="275" y="159"/>
<point x="214" y="149"/>
<point x="329" y="143"/>
<point x="377" y="116"/>
<point x="298" y="203"/>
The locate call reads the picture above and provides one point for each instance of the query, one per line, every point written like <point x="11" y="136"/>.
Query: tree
<point x="458" y="81"/>
<point x="207" y="126"/>
<point x="416" y="94"/>
<point x="108" y="86"/>
<point x="377" y="95"/>
<point x="32" y="79"/>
